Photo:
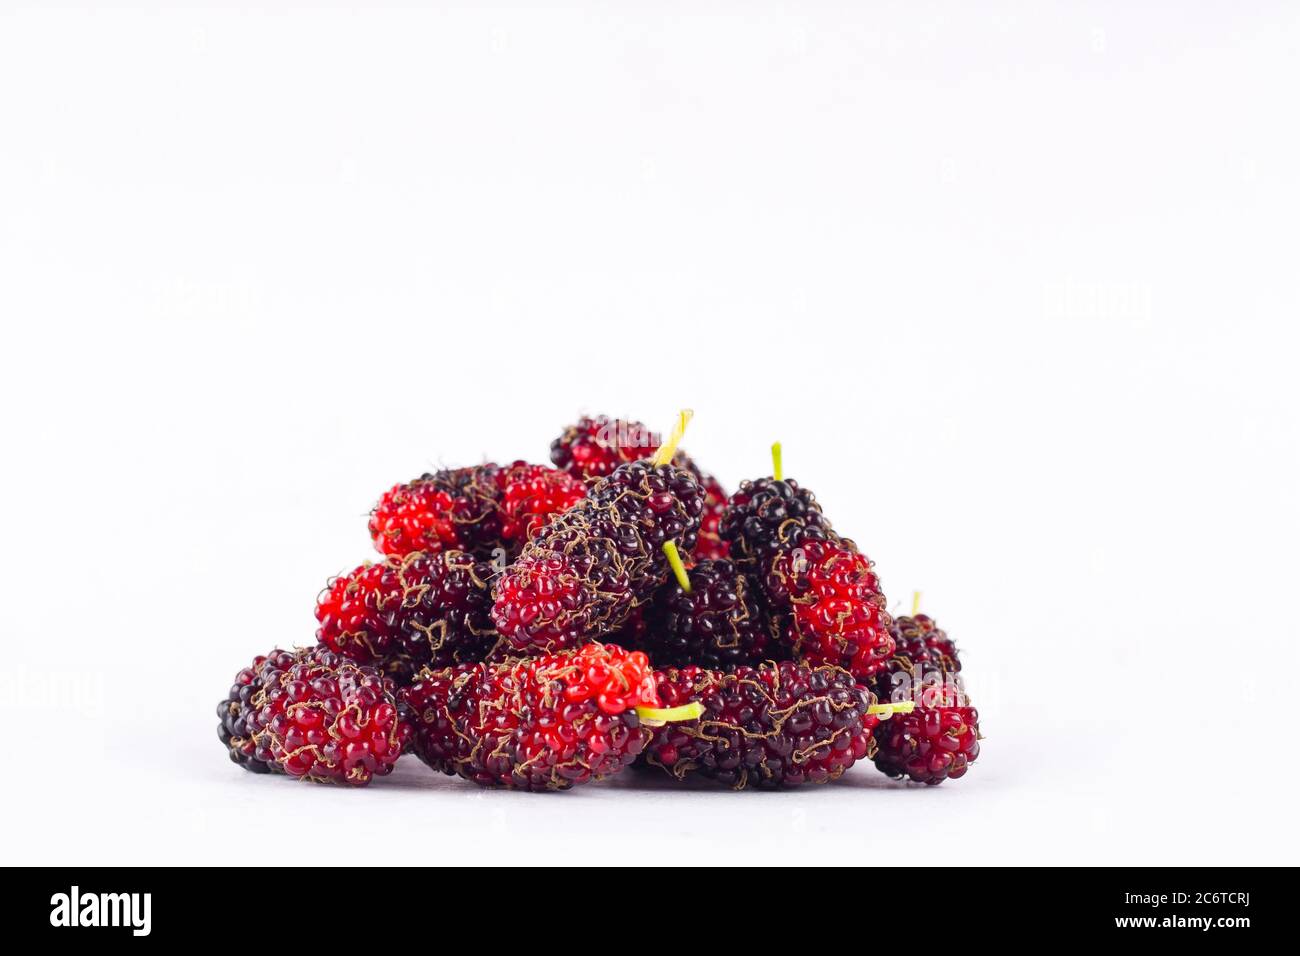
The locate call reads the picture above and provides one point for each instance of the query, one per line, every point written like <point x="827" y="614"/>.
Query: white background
<point x="1015" y="284"/>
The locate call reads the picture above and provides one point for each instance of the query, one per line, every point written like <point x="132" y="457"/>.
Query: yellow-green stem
<point x="657" y="716"/>
<point x="885" y="711"/>
<point x="679" y="569"/>
<point x="666" y="451"/>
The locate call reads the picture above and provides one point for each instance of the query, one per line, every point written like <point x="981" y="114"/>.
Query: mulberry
<point x="319" y="716"/>
<point x="594" y="447"/>
<point x="546" y="723"/>
<point x="776" y="725"/>
<point x="770" y="517"/>
<point x="453" y="508"/>
<point x="833" y="611"/>
<point x="940" y="738"/>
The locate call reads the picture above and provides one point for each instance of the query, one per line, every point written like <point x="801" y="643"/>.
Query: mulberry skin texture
<point x="710" y="545"/>
<point x="719" y="624"/>
<point x="533" y="494"/>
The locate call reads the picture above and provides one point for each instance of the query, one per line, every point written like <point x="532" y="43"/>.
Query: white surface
<point x="1016" y="287"/>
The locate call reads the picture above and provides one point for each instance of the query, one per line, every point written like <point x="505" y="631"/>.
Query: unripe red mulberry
<point x="485" y="510"/>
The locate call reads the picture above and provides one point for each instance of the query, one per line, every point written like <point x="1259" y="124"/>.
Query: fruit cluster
<point x="541" y="626"/>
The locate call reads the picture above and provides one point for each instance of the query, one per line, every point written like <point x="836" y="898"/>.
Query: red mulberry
<point x="322" y="717"/>
<point x="939" y="739"/>
<point x="771" y="726"/>
<point x="546" y="723"/>
<point x="594" y="447"/>
<point x="834" y="612"/>
<point x="454" y="508"/>
<point x="936" y="741"/>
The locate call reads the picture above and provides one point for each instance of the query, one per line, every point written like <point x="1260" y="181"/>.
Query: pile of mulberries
<point x="537" y="627"/>
<point x="315" y="715"/>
